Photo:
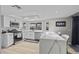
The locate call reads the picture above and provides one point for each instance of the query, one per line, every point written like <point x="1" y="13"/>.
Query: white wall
<point x="0" y="16"/>
<point x="63" y="30"/>
<point x="2" y="21"/>
<point x="0" y="28"/>
<point x="6" y="21"/>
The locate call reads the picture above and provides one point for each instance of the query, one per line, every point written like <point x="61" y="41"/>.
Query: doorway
<point x="75" y="30"/>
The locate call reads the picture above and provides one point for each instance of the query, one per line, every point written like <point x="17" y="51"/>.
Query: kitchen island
<point x="52" y="43"/>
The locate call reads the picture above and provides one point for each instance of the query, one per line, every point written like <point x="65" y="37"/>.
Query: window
<point x="32" y="26"/>
<point x="36" y="26"/>
<point x="47" y="26"/>
<point x="39" y="26"/>
<point x="24" y="25"/>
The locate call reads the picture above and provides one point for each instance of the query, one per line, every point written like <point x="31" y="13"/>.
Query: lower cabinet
<point x="7" y="39"/>
<point x="31" y="35"/>
<point x="28" y="35"/>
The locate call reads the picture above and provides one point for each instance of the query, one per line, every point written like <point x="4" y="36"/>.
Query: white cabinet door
<point x="10" y="39"/>
<point x="28" y="35"/>
<point x="31" y="35"/>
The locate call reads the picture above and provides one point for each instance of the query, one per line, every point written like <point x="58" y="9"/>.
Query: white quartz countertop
<point x="51" y="35"/>
<point x="38" y="31"/>
<point x="34" y="31"/>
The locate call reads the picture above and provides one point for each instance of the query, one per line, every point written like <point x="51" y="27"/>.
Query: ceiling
<point x="44" y="11"/>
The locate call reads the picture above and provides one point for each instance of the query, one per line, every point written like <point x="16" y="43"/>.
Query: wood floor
<point x="22" y="47"/>
<point x="73" y="49"/>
